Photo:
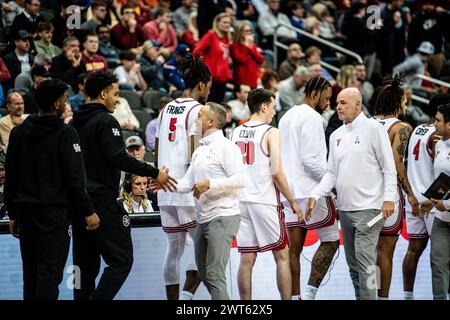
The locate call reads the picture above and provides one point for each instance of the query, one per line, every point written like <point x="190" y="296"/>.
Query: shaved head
<point x="349" y="102"/>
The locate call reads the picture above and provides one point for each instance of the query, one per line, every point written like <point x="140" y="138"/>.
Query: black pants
<point x="44" y="246"/>
<point x="111" y="241"/>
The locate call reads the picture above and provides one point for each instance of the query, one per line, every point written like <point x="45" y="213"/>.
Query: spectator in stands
<point x="129" y="73"/>
<point x="28" y="20"/>
<point x="414" y="115"/>
<point x="69" y="65"/>
<point x="297" y="14"/>
<point x="9" y="12"/>
<point x="150" y="130"/>
<point x="152" y="66"/>
<point x="415" y="64"/>
<point x="67" y="115"/>
<point x="124" y="115"/>
<point x="134" y="194"/>
<point x="429" y="25"/>
<point x="5" y="75"/>
<point x="326" y="22"/>
<point x="106" y="49"/>
<point x="99" y="10"/>
<point x="247" y="57"/>
<point x="207" y="11"/>
<point x="245" y="10"/>
<point x="291" y="90"/>
<point x="181" y="16"/>
<point x="191" y="36"/>
<point x="38" y="74"/>
<point x="3" y="214"/>
<point x="270" y="81"/>
<point x="214" y="47"/>
<point x="143" y="14"/>
<point x="313" y="55"/>
<point x="268" y="22"/>
<point x="292" y="62"/>
<point x="44" y="44"/>
<point x="318" y="71"/>
<point x="24" y="82"/>
<point x="20" y="60"/>
<point x="160" y="30"/>
<point x="15" y="106"/>
<point x="60" y="22"/>
<point x="392" y="36"/>
<point x="239" y="106"/>
<point x="135" y="147"/>
<point x="359" y="37"/>
<point x="172" y="72"/>
<point x="344" y="79"/>
<point x="364" y="86"/>
<point x="124" y="35"/>
<point x="93" y="61"/>
<point x="80" y="98"/>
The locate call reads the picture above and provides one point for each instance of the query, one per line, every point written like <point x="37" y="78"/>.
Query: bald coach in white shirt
<point x="362" y="169"/>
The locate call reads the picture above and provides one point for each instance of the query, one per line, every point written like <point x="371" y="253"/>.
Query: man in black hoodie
<point x="38" y="196"/>
<point x="105" y="156"/>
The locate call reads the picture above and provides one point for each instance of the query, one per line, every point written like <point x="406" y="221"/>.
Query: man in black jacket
<point x="38" y="196"/>
<point x="105" y="156"/>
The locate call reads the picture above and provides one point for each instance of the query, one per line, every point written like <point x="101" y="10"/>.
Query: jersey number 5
<point x="172" y="129"/>
<point x="248" y="151"/>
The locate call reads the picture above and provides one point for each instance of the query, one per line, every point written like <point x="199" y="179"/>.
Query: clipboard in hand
<point x="440" y="188"/>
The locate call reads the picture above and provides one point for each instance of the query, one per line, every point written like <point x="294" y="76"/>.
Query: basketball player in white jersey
<point x="304" y="159"/>
<point x="391" y="103"/>
<point x="262" y="219"/>
<point x="174" y="147"/>
<point x="421" y="150"/>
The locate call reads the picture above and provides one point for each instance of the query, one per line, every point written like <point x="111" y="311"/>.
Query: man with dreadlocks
<point x="305" y="162"/>
<point x="391" y="103"/>
<point x="362" y="169"/>
<point x="173" y="148"/>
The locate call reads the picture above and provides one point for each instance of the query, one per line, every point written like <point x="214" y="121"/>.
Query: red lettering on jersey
<point x="338" y="141"/>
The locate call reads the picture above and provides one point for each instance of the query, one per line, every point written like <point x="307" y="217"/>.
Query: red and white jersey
<point x="388" y="124"/>
<point x="260" y="188"/>
<point x="420" y="161"/>
<point x="176" y="123"/>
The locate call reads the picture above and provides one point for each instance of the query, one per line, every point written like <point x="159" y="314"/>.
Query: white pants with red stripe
<point x="323" y="218"/>
<point x="262" y="228"/>
<point x="177" y="218"/>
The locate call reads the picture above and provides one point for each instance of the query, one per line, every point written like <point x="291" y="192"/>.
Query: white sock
<point x="310" y="293"/>
<point x="296" y="297"/>
<point x="383" y="298"/>
<point x="408" y="295"/>
<point x="186" y="295"/>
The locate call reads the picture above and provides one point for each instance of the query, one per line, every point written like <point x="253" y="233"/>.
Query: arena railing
<point x="149" y="219"/>
<point x="433" y="80"/>
<point x="335" y="46"/>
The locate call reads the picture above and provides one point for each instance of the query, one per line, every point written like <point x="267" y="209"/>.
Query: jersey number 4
<point x="172" y="129"/>
<point x="248" y="151"/>
<point x="416" y="150"/>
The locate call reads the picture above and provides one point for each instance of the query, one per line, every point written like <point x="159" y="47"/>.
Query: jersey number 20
<point x="248" y="151"/>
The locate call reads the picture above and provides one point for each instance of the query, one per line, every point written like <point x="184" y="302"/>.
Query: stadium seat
<point x="151" y="99"/>
<point x="143" y="118"/>
<point x="132" y="97"/>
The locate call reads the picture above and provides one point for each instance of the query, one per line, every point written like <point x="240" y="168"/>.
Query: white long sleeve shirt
<point x="304" y="150"/>
<point x="442" y="164"/>
<point x="361" y="166"/>
<point x="220" y="161"/>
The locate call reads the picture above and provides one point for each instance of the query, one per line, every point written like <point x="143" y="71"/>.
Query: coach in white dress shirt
<point x="362" y="169"/>
<point x="214" y="175"/>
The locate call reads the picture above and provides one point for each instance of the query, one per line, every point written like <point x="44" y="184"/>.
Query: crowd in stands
<point x="142" y="42"/>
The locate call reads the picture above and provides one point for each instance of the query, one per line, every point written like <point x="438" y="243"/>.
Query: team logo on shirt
<point x="126" y="221"/>
<point x="116" y="132"/>
<point x="76" y="147"/>
<point x="337" y="142"/>
<point x="357" y="140"/>
<point x="69" y="231"/>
